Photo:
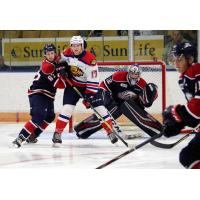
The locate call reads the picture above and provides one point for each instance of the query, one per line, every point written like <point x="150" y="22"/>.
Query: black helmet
<point x="186" y="49"/>
<point x="49" y="47"/>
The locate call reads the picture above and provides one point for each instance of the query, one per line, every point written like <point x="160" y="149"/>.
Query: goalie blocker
<point x="133" y="109"/>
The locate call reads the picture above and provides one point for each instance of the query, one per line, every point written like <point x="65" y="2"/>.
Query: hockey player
<point x="121" y="92"/>
<point x="178" y="116"/>
<point x="41" y="96"/>
<point x="84" y="75"/>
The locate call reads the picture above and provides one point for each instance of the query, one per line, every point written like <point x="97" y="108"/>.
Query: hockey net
<point x="152" y="72"/>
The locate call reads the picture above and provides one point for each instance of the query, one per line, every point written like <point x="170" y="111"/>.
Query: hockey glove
<point x="94" y="99"/>
<point x="62" y="69"/>
<point x="149" y="95"/>
<point x="173" y="122"/>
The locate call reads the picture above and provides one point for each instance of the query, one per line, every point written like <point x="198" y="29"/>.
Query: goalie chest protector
<point x="118" y="82"/>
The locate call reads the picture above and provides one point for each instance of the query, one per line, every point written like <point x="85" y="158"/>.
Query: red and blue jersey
<point x="47" y="80"/>
<point x="189" y="83"/>
<point x="87" y="65"/>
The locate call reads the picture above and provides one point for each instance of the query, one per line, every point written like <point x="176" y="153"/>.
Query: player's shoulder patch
<point x="94" y="62"/>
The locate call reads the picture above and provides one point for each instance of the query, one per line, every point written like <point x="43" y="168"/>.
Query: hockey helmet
<point x="77" y="40"/>
<point x="185" y="49"/>
<point x="134" y="73"/>
<point x="49" y="47"/>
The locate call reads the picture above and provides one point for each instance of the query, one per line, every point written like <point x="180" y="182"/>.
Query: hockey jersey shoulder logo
<point x="93" y="62"/>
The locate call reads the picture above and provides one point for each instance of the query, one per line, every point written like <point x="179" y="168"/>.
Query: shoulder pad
<point x="120" y="76"/>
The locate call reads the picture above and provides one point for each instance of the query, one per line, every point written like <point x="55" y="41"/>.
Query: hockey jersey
<point x="85" y="67"/>
<point x="47" y="80"/>
<point x="189" y="83"/>
<point x="118" y="83"/>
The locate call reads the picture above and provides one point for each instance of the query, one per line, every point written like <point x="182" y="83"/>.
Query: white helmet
<point x="77" y="40"/>
<point x="134" y="73"/>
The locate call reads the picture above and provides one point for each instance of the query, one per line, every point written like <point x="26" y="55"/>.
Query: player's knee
<point x="83" y="135"/>
<point x="38" y="116"/>
<point x="68" y="110"/>
<point x="50" y="118"/>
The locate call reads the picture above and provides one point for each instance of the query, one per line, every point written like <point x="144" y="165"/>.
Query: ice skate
<point x="18" y="141"/>
<point x="113" y="138"/>
<point x="56" y="139"/>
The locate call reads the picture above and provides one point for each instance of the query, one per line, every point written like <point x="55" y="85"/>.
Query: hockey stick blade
<point x="129" y="151"/>
<point x="169" y="146"/>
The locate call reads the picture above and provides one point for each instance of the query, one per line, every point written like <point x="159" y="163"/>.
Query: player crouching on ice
<point x="41" y="96"/>
<point x="178" y="116"/>
<point x="84" y="76"/>
<point x="125" y="92"/>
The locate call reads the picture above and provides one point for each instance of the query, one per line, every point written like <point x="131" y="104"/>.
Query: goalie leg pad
<point x="141" y="118"/>
<point x="87" y="127"/>
<point x="92" y="124"/>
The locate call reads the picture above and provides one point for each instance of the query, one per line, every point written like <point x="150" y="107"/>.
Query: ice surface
<point x="83" y="154"/>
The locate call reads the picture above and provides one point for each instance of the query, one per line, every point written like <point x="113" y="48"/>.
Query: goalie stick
<point x="129" y="151"/>
<point x="97" y="113"/>
<point x="144" y="120"/>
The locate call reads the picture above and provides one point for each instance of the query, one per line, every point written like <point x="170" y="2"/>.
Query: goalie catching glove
<point x="149" y="95"/>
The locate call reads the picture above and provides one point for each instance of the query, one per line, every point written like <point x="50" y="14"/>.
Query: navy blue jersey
<point x="47" y="80"/>
<point x="118" y="83"/>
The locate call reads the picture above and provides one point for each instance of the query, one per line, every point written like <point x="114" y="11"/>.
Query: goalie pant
<point x="130" y="109"/>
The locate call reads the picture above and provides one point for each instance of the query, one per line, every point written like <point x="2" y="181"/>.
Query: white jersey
<point x="84" y="70"/>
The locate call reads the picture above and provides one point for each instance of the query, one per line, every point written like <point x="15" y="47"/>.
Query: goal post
<point x="154" y="72"/>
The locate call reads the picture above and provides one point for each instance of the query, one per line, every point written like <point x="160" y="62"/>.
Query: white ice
<point x="83" y="154"/>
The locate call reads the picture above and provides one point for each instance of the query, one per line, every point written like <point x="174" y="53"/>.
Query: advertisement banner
<point x="29" y="51"/>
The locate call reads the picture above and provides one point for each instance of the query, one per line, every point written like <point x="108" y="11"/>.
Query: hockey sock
<point x="28" y="129"/>
<point x="107" y="126"/>
<point x="41" y="128"/>
<point x="61" y="123"/>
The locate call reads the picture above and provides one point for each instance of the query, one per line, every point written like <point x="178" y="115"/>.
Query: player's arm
<point x="178" y="116"/>
<point x="48" y="69"/>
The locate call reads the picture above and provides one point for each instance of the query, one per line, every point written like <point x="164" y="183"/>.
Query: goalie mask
<point x="134" y="74"/>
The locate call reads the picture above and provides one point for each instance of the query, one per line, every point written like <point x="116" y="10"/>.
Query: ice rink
<point x="83" y="154"/>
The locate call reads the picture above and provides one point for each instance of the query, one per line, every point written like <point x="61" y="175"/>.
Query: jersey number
<point x="94" y="73"/>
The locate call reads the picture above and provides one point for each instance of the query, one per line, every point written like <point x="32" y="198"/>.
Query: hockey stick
<point x="129" y="151"/>
<point x="97" y="113"/>
<point x="142" y="114"/>
<point x="169" y="146"/>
